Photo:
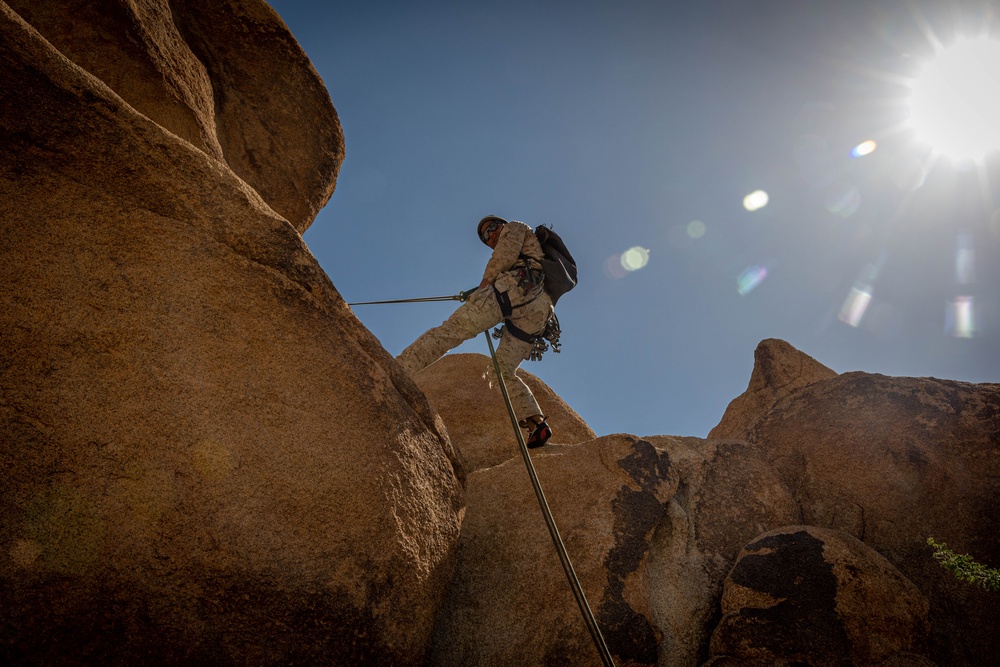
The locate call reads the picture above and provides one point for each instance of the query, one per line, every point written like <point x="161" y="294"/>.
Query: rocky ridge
<point x="799" y="539"/>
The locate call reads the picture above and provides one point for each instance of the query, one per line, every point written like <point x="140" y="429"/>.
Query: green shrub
<point x="964" y="568"/>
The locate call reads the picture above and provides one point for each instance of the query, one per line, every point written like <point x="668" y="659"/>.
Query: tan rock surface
<point x="228" y="77"/>
<point x="727" y="493"/>
<point x="778" y="371"/>
<point x="812" y="596"/>
<point x="476" y="417"/>
<point x="205" y="458"/>
<point x="510" y="603"/>
<point x="893" y="461"/>
<point x="888" y="460"/>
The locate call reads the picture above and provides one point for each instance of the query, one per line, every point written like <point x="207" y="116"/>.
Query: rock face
<point x="893" y="461"/>
<point x="477" y="419"/>
<point x="810" y="596"/>
<point x="779" y="370"/>
<point x="652" y="551"/>
<point x="205" y="458"/>
<point x="510" y="603"/>
<point x="865" y="467"/>
<point x="727" y="494"/>
<point x="228" y="77"/>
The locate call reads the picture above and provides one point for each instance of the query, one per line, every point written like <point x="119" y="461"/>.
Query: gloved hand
<point x="464" y="296"/>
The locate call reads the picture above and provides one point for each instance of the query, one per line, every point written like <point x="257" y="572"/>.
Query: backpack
<point x="558" y="264"/>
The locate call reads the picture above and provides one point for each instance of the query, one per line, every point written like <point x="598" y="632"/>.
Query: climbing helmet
<point x="487" y="225"/>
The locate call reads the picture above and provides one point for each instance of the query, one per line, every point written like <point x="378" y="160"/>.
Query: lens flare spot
<point x="964" y="260"/>
<point x="864" y="148"/>
<point x="855" y="305"/>
<point x="696" y="229"/>
<point x="635" y="258"/>
<point x="960" y="317"/>
<point x="750" y="279"/>
<point x="756" y="200"/>
<point x="613" y="267"/>
<point x="844" y="200"/>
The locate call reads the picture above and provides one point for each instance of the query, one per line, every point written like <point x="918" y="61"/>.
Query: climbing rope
<point x="550" y="522"/>
<point x="426" y="299"/>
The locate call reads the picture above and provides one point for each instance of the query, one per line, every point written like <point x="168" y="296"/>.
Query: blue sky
<point x="644" y="125"/>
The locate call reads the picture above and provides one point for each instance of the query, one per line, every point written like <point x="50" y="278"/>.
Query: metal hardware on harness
<point x="540" y="342"/>
<point x="550" y="523"/>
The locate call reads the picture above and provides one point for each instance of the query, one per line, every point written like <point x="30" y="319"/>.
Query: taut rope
<point x="550" y="522"/>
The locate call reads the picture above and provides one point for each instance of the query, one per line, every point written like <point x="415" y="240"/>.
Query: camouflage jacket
<point x="506" y="268"/>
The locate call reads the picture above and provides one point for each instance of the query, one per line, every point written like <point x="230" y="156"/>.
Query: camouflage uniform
<point x="531" y="309"/>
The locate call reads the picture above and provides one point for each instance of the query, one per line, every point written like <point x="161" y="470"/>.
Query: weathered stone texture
<point x="833" y="452"/>
<point x="893" y="461"/>
<point x="205" y="458"/>
<point x="477" y="420"/>
<point x="727" y="493"/>
<point x="226" y="76"/>
<point x="779" y="370"/>
<point x="810" y="596"/>
<point x="510" y="603"/>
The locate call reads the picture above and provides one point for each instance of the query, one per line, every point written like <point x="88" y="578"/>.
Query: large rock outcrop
<point x="205" y="458"/>
<point x="510" y="603"/>
<point x="458" y="386"/>
<point x="228" y="77"/>
<point x="727" y="493"/>
<point x="868" y="466"/>
<point x="778" y="370"/>
<point x="810" y="596"/>
<point x="893" y="461"/>
<point x="653" y="551"/>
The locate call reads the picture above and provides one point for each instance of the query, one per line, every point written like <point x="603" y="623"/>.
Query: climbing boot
<point x="539" y="436"/>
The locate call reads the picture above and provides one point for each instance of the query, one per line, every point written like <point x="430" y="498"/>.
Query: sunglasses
<point x="489" y="229"/>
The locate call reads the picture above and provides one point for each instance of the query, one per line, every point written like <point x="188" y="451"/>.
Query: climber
<point x="511" y="292"/>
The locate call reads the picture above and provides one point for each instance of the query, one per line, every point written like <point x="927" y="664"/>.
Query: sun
<point x="955" y="100"/>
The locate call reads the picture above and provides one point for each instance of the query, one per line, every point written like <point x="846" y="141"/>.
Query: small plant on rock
<point x="965" y="568"/>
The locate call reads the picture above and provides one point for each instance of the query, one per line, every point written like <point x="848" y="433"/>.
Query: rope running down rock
<point x="550" y="522"/>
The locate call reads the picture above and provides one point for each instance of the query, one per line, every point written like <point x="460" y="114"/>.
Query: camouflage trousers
<point x="479" y="313"/>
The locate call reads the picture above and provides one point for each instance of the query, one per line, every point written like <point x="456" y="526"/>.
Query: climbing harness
<point x="550" y="522"/>
<point x="540" y="342"/>
<point x="531" y="281"/>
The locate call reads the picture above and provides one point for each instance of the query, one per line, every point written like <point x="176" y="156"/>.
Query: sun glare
<point x="955" y="101"/>
<point x="756" y="200"/>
